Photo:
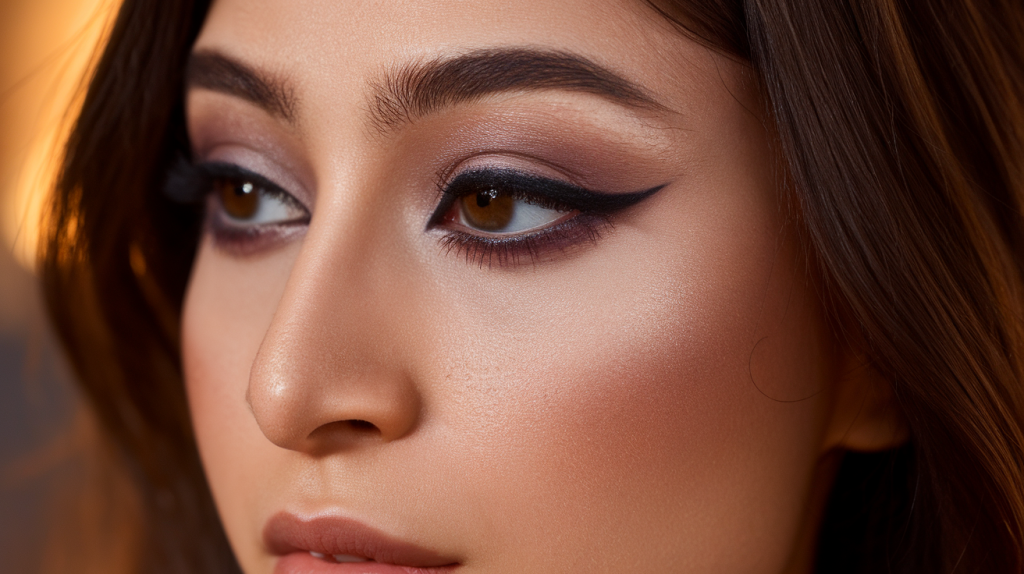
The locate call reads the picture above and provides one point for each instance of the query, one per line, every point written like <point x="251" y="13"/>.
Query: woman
<point x="558" y="287"/>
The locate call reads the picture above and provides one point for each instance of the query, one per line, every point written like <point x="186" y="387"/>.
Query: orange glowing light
<point x="50" y="53"/>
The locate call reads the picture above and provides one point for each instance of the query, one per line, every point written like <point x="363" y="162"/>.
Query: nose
<point x="333" y="371"/>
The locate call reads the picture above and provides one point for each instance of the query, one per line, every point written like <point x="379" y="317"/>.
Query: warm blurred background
<point x="46" y="47"/>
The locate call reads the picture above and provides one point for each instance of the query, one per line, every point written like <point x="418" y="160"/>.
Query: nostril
<point x="344" y="431"/>
<point x="364" y="426"/>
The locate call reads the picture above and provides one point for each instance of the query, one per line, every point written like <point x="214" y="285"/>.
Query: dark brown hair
<point x="902" y="127"/>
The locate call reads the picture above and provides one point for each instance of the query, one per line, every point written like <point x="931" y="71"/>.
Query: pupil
<point x="484" y="199"/>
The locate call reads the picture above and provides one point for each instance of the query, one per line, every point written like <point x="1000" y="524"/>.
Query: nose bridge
<point x="331" y="367"/>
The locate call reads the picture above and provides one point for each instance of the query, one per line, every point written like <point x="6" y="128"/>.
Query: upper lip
<point x="285" y="533"/>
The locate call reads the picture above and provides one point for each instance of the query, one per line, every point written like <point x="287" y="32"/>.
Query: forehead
<point x="388" y="28"/>
<point x="333" y="51"/>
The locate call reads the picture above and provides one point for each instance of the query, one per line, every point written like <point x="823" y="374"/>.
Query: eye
<point x="497" y="212"/>
<point x="245" y="201"/>
<point x="236" y="198"/>
<point x="245" y="212"/>
<point x="504" y="203"/>
<point x="501" y="215"/>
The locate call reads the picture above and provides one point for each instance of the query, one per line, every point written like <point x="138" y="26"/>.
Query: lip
<point x="293" y="538"/>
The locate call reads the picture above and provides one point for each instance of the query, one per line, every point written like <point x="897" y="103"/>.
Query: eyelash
<point x="589" y="213"/>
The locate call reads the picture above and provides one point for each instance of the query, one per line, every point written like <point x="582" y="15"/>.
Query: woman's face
<point x="512" y="288"/>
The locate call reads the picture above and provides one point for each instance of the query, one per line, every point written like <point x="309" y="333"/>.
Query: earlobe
<point x="866" y="415"/>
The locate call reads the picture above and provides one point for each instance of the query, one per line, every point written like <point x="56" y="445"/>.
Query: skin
<point x="668" y="398"/>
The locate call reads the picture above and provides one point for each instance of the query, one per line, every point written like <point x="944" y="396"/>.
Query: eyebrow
<point x="418" y="89"/>
<point x="220" y="73"/>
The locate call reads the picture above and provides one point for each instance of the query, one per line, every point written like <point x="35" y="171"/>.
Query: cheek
<point x="228" y="307"/>
<point x="651" y="408"/>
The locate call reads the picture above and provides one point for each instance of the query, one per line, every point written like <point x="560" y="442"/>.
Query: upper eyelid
<point x="559" y="191"/>
<point x="521" y="176"/>
<point x="226" y="170"/>
<point x="539" y="165"/>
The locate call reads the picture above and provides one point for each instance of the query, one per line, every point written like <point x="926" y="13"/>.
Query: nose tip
<point x="317" y="404"/>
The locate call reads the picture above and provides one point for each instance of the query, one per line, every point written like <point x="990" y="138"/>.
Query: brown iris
<point x="240" y="199"/>
<point x="487" y="211"/>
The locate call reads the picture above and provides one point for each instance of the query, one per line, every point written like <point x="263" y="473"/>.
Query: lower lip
<point x="305" y="563"/>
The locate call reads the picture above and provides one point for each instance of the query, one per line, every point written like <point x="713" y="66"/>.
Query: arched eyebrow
<point x="220" y="73"/>
<point x="418" y="89"/>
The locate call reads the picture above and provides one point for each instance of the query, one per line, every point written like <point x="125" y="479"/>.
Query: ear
<point x="866" y="415"/>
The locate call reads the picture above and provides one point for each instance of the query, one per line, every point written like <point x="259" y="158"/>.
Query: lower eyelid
<point x="560" y="239"/>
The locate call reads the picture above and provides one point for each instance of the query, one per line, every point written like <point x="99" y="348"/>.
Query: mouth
<point x="336" y="545"/>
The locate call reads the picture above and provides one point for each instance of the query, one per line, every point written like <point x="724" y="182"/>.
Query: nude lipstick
<point x="336" y="545"/>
